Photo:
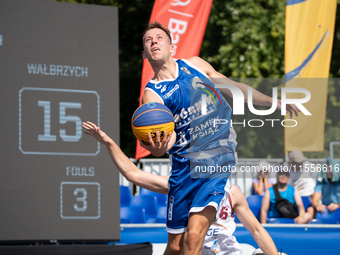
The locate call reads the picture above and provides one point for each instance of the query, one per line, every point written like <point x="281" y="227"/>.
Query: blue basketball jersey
<point x="202" y="124"/>
<point x="202" y="116"/>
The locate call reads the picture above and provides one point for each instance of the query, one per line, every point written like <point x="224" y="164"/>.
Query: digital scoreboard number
<point x="50" y="121"/>
<point x="75" y="197"/>
<point x="58" y="68"/>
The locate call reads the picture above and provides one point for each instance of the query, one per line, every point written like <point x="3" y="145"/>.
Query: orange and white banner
<point x="186" y="20"/>
<point x="308" y="49"/>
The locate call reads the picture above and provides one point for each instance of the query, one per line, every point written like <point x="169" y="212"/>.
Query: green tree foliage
<point x="250" y="38"/>
<point x="245" y="38"/>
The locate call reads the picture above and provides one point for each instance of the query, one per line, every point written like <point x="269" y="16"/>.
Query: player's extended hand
<point x="291" y="108"/>
<point x="93" y="130"/>
<point x="160" y="146"/>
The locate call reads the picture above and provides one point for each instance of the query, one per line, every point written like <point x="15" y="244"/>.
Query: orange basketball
<point x="150" y="118"/>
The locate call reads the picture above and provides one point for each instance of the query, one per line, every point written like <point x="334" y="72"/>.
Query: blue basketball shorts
<point x="187" y="194"/>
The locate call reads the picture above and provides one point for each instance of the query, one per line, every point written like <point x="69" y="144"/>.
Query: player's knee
<point x="193" y="237"/>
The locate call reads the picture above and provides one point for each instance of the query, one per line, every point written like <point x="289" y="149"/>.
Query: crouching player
<point x="219" y="239"/>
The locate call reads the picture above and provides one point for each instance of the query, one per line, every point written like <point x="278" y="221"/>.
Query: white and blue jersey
<point x="220" y="239"/>
<point x="201" y="143"/>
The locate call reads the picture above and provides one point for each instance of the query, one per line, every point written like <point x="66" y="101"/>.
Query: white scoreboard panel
<point x="58" y="68"/>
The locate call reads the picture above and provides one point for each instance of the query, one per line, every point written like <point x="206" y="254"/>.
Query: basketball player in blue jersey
<point x="220" y="237"/>
<point x="193" y="197"/>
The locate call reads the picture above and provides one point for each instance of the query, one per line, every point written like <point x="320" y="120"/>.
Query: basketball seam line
<point x="150" y="111"/>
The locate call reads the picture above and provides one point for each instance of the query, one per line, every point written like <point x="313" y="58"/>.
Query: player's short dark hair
<point x="156" y="24"/>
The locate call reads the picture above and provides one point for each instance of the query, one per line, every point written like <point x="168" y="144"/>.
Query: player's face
<point x="156" y="45"/>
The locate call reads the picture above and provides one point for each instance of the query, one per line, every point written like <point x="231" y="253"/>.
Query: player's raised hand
<point x="93" y="130"/>
<point x="290" y="108"/>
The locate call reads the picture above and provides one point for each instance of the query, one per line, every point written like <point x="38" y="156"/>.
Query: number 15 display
<point x="58" y="130"/>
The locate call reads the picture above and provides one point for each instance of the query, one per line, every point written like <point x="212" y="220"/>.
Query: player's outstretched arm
<point x="123" y="163"/>
<point x="247" y="218"/>
<point x="258" y="97"/>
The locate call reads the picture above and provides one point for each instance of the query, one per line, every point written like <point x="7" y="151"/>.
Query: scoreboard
<point x="58" y="68"/>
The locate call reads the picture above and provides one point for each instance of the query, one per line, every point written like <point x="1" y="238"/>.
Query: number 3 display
<point x="80" y="200"/>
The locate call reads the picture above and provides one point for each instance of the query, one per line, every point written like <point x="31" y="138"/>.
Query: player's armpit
<point x="149" y="96"/>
